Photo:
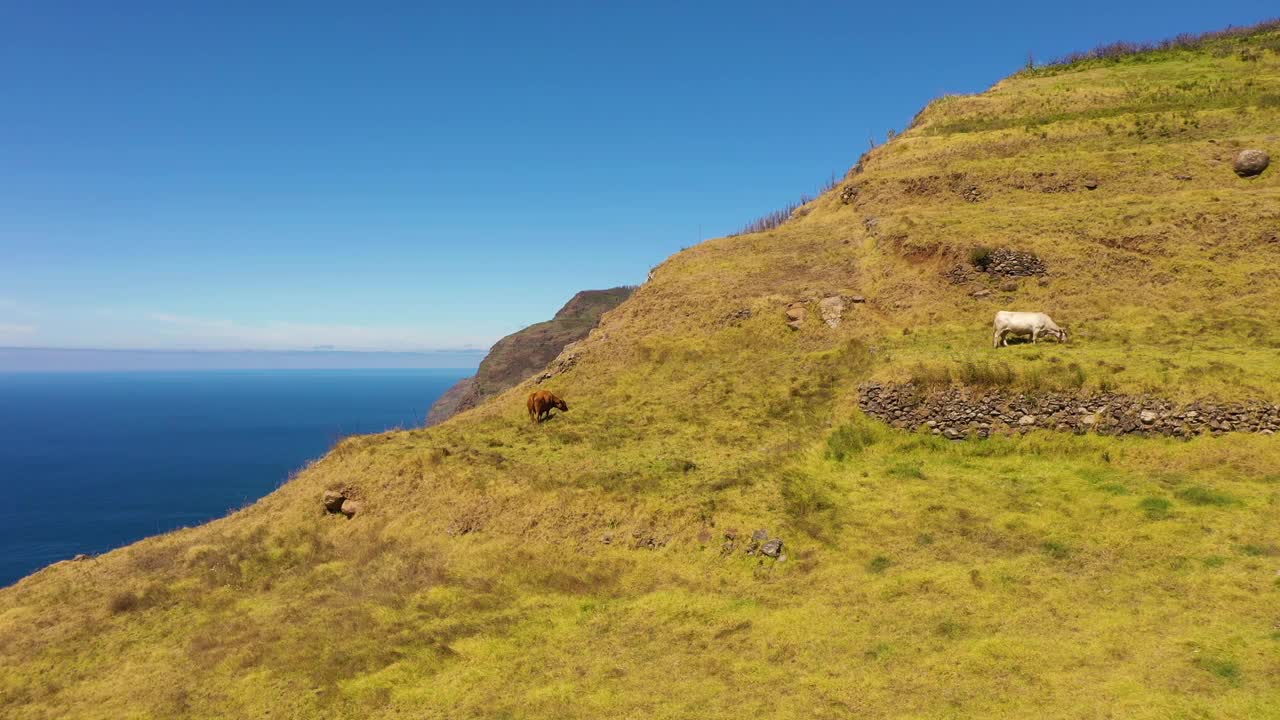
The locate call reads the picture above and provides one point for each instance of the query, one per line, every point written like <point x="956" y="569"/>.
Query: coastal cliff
<point x="521" y="354"/>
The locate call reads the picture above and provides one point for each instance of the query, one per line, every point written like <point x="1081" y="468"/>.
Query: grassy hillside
<point x="597" y="565"/>
<point x="521" y="354"/>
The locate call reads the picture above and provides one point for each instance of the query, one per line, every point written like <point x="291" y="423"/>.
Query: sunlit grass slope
<point x="578" y="569"/>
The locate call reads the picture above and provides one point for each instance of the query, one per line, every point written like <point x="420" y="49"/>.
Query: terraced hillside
<point x="608" y="562"/>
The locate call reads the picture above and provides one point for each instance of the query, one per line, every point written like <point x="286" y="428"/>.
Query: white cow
<point x="1034" y="324"/>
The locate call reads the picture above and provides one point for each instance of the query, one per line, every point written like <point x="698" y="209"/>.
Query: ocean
<point x="94" y="461"/>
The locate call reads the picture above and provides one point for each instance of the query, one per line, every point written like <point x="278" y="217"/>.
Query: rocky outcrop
<point x="797" y="313"/>
<point x="333" y="500"/>
<point x="957" y="413"/>
<point x="341" y="501"/>
<point x="563" y="362"/>
<point x="831" y="309"/>
<point x="523" y="354"/>
<point x="1251" y="162"/>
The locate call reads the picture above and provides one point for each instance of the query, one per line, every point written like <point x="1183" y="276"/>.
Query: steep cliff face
<point x="519" y="355"/>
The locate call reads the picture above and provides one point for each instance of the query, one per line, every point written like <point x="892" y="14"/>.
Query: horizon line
<point x="214" y="351"/>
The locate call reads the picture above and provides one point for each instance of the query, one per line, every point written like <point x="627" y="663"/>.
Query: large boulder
<point x="333" y="500"/>
<point x="340" y="501"/>
<point x="1250" y="162"/>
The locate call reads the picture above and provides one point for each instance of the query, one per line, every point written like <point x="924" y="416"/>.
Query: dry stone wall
<point x="1014" y="263"/>
<point x="958" y="413"/>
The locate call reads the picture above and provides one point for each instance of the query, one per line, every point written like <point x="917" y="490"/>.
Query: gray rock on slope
<point x="1250" y="162"/>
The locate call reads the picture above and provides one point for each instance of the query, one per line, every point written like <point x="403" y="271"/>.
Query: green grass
<point x="1198" y="495"/>
<point x="566" y="570"/>
<point x="1155" y="508"/>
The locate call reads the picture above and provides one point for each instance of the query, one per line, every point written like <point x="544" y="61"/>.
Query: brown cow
<point x="542" y="402"/>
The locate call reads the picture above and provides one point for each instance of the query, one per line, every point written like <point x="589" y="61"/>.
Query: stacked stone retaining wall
<point x="961" y="412"/>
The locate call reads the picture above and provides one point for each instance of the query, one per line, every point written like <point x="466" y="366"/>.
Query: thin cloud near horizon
<point x="100" y="329"/>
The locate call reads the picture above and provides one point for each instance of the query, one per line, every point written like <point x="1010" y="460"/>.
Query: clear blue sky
<point x="415" y="176"/>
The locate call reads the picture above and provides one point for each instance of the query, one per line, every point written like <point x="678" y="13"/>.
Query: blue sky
<point x="429" y="176"/>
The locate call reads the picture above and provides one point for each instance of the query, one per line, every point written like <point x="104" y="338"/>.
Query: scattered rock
<point x="1091" y="184"/>
<point x="81" y="557"/>
<point x="970" y="193"/>
<point x="760" y="535"/>
<point x="857" y="299"/>
<point x="981" y="293"/>
<point x="1026" y="420"/>
<point x="607" y="539"/>
<point x="796" y="314"/>
<point x="1147" y="417"/>
<point x="1010" y="286"/>
<point x="737" y="317"/>
<point x="832" y="310"/>
<point x="772" y="549"/>
<point x="1251" y="162"/>
<point x="849" y="194"/>
<point x="351" y="508"/>
<point x="649" y="542"/>
<point x="333" y="500"/>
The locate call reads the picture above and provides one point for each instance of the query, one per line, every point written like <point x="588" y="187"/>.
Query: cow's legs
<point x="999" y="336"/>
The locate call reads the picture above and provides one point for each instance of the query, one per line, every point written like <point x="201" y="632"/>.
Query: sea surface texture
<point x="94" y="461"/>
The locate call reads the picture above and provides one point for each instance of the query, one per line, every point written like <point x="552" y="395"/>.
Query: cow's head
<point x="564" y="406"/>
<point x="1061" y="334"/>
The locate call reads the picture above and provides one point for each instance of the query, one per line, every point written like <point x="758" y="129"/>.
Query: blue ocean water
<point x="93" y="461"/>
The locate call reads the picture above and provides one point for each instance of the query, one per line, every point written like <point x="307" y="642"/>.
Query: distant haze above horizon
<point x="427" y="178"/>
<point x="89" y="360"/>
